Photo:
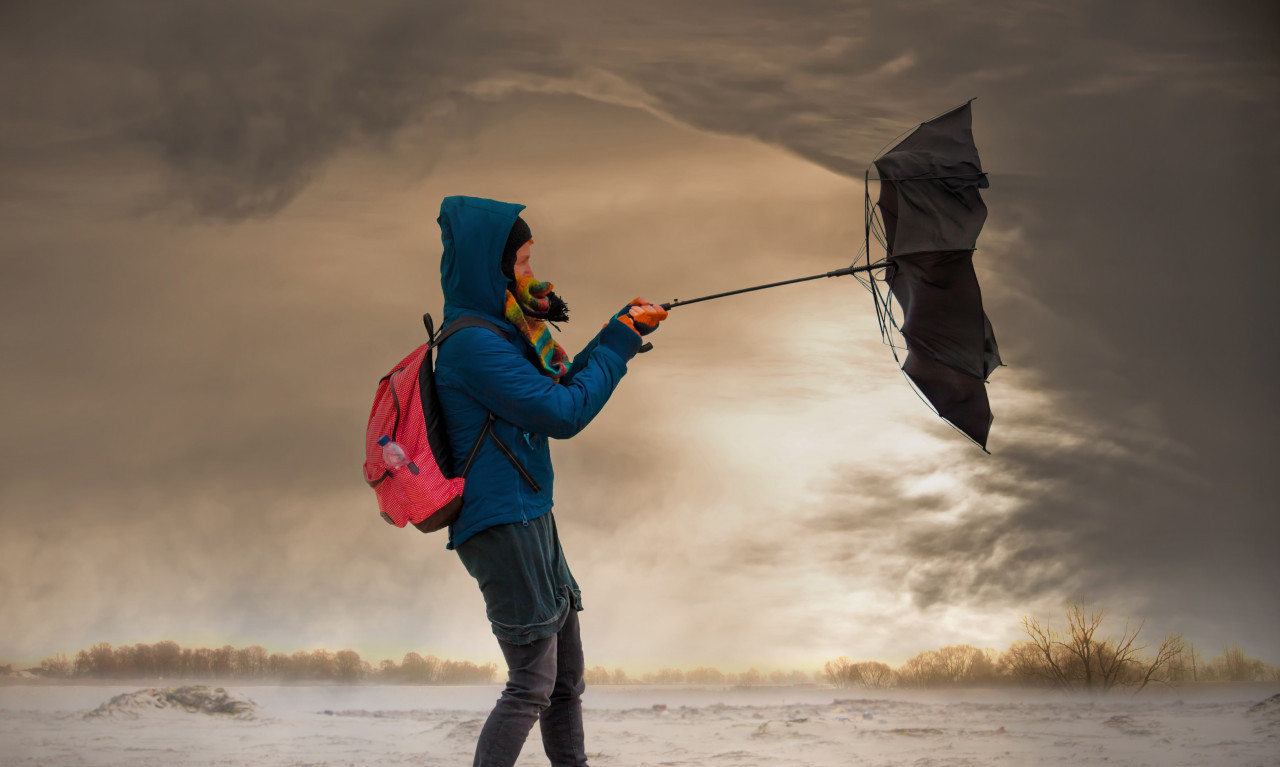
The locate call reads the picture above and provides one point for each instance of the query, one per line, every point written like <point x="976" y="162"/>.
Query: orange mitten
<point x="642" y="316"/>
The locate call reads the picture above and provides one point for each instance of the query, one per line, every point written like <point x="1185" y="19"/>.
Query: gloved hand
<point x="642" y="316"/>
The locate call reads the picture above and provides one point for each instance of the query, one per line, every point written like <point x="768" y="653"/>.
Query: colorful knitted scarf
<point x="526" y="301"/>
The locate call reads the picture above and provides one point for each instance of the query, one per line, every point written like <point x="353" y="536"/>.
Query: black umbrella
<point x="927" y="219"/>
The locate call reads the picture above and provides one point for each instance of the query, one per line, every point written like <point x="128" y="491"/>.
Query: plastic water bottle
<point x="392" y="454"/>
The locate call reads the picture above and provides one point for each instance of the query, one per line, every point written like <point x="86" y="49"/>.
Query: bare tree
<point x="223" y="661"/>
<point x="57" y="666"/>
<point x="102" y="659"/>
<point x="960" y="664"/>
<point x="299" y="666"/>
<point x="839" y="672"/>
<point x="1169" y="649"/>
<point x="168" y="658"/>
<point x="705" y="675"/>
<point x="1022" y="662"/>
<point x="144" y="661"/>
<point x="843" y="673"/>
<point x="84" y="663"/>
<point x="1235" y="666"/>
<point x="415" y="669"/>
<point x="348" y="666"/>
<point x="873" y="674"/>
<point x="667" y="676"/>
<point x="278" y="665"/>
<point x="1081" y="659"/>
<point x="250" y="662"/>
<point x="597" y="675"/>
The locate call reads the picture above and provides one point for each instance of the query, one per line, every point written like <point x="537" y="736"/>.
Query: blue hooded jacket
<point x="478" y="372"/>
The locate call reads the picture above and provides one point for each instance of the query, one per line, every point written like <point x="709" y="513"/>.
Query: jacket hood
<point x="474" y="231"/>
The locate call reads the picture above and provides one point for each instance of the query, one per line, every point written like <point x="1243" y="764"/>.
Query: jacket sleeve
<point x="501" y="379"/>
<point x="583" y="357"/>
<point x="580" y="361"/>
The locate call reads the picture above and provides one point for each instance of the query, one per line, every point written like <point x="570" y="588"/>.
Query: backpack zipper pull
<point x="526" y="440"/>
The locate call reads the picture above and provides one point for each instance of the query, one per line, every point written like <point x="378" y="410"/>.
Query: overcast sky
<point x="218" y="232"/>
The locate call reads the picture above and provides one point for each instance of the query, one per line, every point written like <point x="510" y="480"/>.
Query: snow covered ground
<point x="644" y="725"/>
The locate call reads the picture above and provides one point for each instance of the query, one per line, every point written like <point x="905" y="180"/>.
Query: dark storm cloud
<point x="961" y="547"/>
<point x="247" y="102"/>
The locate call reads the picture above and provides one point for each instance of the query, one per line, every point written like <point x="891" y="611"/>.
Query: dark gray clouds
<point x="245" y="102"/>
<point x="166" y="280"/>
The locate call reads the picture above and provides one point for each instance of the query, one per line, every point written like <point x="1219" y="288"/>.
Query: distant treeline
<point x="167" y="660"/>
<point x="1022" y="664"/>
<point x="1077" y="657"/>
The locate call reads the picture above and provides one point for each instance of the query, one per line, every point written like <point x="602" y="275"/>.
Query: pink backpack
<point x="408" y="461"/>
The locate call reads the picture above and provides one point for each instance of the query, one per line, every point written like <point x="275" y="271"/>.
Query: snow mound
<point x="195" y="699"/>
<point x="1269" y="708"/>
<point x="1267" y="716"/>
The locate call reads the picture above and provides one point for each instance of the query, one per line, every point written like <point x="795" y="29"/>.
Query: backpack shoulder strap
<point x="465" y="321"/>
<point x="471" y="321"/>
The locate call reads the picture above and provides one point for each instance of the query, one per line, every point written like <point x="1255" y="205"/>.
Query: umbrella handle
<point x="648" y="345"/>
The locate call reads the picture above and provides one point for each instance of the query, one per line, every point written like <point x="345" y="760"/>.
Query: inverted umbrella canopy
<point x="932" y="213"/>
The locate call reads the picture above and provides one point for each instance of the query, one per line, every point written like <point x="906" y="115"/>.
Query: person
<point x="506" y="532"/>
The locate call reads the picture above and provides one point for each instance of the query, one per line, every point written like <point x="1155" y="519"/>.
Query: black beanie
<point x="520" y="234"/>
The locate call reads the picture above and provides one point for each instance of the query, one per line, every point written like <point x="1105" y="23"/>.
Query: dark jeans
<point x="544" y="684"/>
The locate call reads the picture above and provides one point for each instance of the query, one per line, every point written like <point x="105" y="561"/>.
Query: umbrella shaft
<point x="837" y="273"/>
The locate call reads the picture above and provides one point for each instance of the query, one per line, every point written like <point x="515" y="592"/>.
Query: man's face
<point x="522" y="268"/>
